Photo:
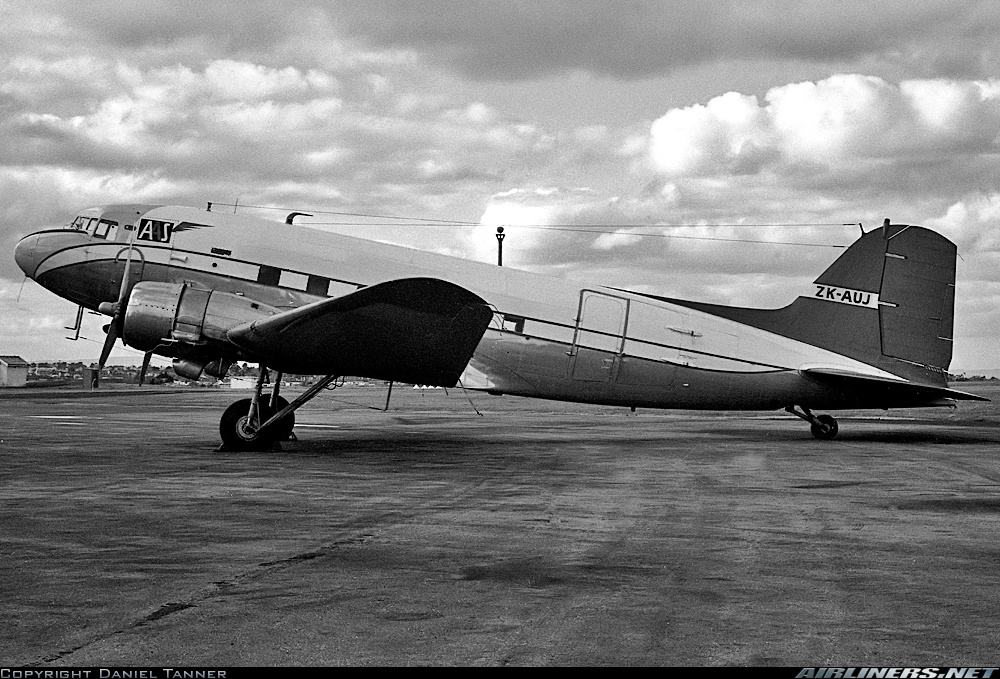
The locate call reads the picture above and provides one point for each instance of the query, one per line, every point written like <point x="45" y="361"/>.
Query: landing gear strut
<point x="260" y="423"/>
<point x="823" y="427"/>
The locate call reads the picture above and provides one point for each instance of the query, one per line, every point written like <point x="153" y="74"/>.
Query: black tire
<point x="234" y="434"/>
<point x="826" y="430"/>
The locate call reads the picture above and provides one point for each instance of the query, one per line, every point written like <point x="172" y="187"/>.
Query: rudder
<point x="917" y="297"/>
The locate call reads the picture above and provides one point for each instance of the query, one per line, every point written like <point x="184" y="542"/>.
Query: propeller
<point x="145" y="366"/>
<point x="116" y="310"/>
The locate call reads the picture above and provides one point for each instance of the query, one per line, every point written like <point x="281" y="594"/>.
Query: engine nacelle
<point x="162" y="315"/>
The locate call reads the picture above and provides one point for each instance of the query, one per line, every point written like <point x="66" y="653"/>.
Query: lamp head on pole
<point x="500" y="236"/>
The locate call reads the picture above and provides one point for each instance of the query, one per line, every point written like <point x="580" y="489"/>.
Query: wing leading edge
<point x="415" y="330"/>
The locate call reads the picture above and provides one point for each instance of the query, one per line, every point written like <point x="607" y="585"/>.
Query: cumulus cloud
<point x="230" y="116"/>
<point x="846" y="148"/>
<point x="974" y="224"/>
<point x="842" y="119"/>
<point x="616" y="239"/>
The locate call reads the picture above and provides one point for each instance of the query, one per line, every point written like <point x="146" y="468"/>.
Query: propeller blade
<point x="145" y="366"/>
<point x="109" y="343"/>
<point x="125" y="277"/>
<point x="117" y="309"/>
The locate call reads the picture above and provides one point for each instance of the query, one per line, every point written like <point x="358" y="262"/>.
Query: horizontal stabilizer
<point x="885" y="385"/>
<point x="414" y="330"/>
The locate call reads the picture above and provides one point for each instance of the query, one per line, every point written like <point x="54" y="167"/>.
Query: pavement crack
<point x="292" y="559"/>
<point x="59" y="655"/>
<point x="163" y="611"/>
<point x="214" y="589"/>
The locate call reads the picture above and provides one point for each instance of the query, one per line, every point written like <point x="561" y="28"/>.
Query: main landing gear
<point x="822" y="426"/>
<point x="262" y="422"/>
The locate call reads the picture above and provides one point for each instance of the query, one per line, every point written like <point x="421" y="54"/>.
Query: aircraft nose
<point x="24" y="254"/>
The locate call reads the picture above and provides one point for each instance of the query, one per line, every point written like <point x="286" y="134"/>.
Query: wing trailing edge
<point x="414" y="330"/>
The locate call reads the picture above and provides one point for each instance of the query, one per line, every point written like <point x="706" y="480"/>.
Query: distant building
<point x="242" y="382"/>
<point x="13" y="371"/>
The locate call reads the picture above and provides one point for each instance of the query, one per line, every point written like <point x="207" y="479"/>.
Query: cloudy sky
<point x="666" y="119"/>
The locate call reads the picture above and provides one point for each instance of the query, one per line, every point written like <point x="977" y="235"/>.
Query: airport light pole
<point x="500" y="236"/>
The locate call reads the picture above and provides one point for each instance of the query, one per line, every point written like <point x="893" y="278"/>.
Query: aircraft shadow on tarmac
<point x="960" y="505"/>
<point x="530" y="572"/>
<point x="911" y="437"/>
<point x="905" y="434"/>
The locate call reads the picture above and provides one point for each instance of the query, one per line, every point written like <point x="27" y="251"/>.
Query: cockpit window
<point x="103" y="227"/>
<point x="92" y="225"/>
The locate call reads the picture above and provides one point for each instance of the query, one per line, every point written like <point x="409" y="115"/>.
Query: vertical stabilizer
<point x="906" y="275"/>
<point x="888" y="301"/>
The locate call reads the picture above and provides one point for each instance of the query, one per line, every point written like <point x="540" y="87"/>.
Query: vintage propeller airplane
<point x="209" y="289"/>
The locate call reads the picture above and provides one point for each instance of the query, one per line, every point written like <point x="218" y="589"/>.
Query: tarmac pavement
<point x="536" y="533"/>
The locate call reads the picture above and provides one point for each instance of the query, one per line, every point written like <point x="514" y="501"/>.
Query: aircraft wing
<point x="415" y="330"/>
<point x="887" y="384"/>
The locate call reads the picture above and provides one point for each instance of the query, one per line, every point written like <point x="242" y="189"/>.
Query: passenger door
<point x="597" y="342"/>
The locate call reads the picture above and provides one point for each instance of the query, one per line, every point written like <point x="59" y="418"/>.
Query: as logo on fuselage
<point x="829" y="293"/>
<point x="155" y="231"/>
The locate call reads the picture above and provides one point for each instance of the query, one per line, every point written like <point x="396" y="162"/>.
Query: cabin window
<point x="513" y="323"/>
<point x="269" y="275"/>
<point x="338" y="289"/>
<point x="293" y="280"/>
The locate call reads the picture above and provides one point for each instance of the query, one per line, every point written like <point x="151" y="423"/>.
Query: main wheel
<point x="827" y="429"/>
<point x="236" y="432"/>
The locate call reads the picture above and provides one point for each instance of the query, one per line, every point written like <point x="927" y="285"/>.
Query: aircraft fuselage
<point x="549" y="338"/>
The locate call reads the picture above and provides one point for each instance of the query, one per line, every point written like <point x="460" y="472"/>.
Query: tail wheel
<point x="825" y="429"/>
<point x="239" y="434"/>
